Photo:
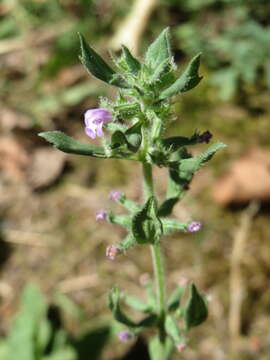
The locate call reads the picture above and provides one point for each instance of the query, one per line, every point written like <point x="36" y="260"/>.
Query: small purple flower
<point x="194" y="226"/>
<point x="101" y="215"/>
<point x="205" y="137"/>
<point x="94" y="120"/>
<point x="124" y="336"/>
<point x="115" y="195"/>
<point x="111" y="252"/>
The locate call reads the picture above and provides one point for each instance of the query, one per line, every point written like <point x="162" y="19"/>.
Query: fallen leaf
<point x="247" y="179"/>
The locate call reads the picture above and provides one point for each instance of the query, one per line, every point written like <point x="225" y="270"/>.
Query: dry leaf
<point x="247" y="179"/>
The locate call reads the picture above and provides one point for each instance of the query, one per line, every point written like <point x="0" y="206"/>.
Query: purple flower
<point x="194" y="226"/>
<point x="101" y="215"/>
<point x="205" y="137"/>
<point x="115" y="195"/>
<point x="94" y="120"/>
<point x="124" y="336"/>
<point x="111" y="252"/>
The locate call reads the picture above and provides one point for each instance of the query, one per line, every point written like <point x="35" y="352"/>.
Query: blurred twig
<point x="237" y="283"/>
<point x="27" y="238"/>
<point x="78" y="283"/>
<point x="130" y="31"/>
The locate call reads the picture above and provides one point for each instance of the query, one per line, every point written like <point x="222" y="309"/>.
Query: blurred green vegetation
<point x="37" y="331"/>
<point x="234" y="36"/>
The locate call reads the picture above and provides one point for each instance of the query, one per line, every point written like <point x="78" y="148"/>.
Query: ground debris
<point x="13" y="159"/>
<point x="46" y="166"/>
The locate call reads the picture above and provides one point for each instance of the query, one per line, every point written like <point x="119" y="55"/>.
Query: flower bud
<point x="205" y="137"/>
<point x="101" y="215"/>
<point x="124" y="336"/>
<point x="194" y="226"/>
<point x="115" y="195"/>
<point x="111" y="252"/>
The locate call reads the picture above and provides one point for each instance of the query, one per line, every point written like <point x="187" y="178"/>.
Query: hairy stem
<point x="157" y="259"/>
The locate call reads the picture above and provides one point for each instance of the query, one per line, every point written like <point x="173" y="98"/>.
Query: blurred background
<point x="54" y="275"/>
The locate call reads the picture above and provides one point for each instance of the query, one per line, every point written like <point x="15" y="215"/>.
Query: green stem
<point x="156" y="258"/>
<point x="160" y="285"/>
<point x="148" y="181"/>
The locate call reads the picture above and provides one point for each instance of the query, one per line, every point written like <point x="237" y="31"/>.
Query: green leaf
<point x="159" y="352"/>
<point x="175" y="299"/>
<point x="134" y="134"/>
<point x="183" y="171"/>
<point x="196" y="311"/>
<point x="26" y="324"/>
<point x="131" y="138"/>
<point x="4" y="350"/>
<point x="167" y="206"/>
<point x="175" y="142"/>
<point x="151" y="295"/>
<point x="114" y="299"/>
<point x="137" y="304"/>
<point x="65" y="353"/>
<point x="175" y="192"/>
<point x="91" y="343"/>
<point x="43" y="334"/>
<point x="98" y="67"/>
<point x="128" y="242"/>
<point x="68" y="306"/>
<point x="132" y="63"/>
<point x="187" y="81"/>
<point x="122" y="220"/>
<point x="148" y="321"/>
<point x="172" y="329"/>
<point x="159" y="50"/>
<point x="128" y="204"/>
<point x="208" y="154"/>
<point x="118" y="139"/>
<point x="66" y="144"/>
<point x="163" y="75"/>
<point x="146" y="226"/>
<point x="170" y="225"/>
<point x="126" y="110"/>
